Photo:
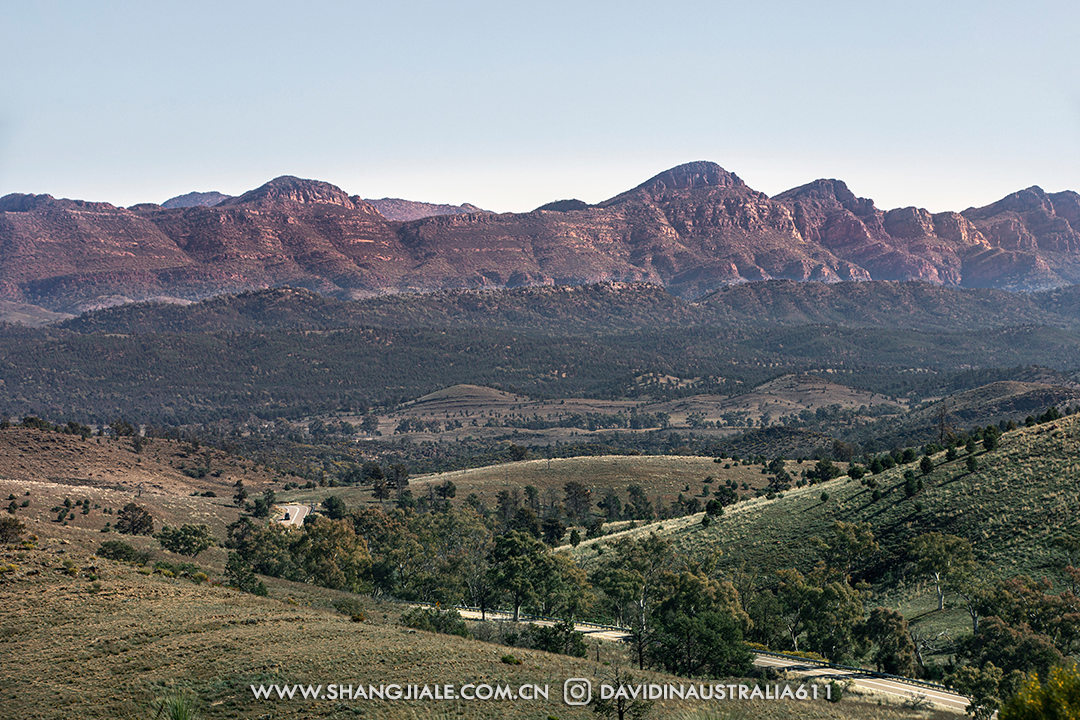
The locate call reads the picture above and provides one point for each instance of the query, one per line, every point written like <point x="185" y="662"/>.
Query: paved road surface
<point x="296" y="514"/>
<point x="907" y="691"/>
<point x="941" y="698"/>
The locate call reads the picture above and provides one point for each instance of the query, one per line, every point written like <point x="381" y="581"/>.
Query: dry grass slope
<point x="107" y="648"/>
<point x="85" y="637"/>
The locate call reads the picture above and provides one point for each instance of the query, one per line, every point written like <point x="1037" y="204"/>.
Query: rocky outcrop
<point x="1032" y="244"/>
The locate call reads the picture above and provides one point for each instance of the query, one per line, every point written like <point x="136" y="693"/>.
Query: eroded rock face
<point x="289" y="190"/>
<point x="692" y="229"/>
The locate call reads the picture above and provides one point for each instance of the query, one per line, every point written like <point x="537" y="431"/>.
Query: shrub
<point x="910" y="486"/>
<point x="189" y="540"/>
<point x="120" y="550"/>
<point x="1058" y="698"/>
<point x="168" y="569"/>
<point x="134" y="520"/>
<point x="242" y="577"/>
<point x="11" y="529"/>
<point x="349" y="606"/>
<point x="560" y="638"/>
<point x="176" y="707"/>
<point x="447" y="622"/>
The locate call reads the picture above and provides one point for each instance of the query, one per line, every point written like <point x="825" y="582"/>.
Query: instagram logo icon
<point x="577" y="691"/>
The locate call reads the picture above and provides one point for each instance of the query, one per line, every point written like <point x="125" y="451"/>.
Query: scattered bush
<point x="176" y="707"/>
<point x="242" y="577"/>
<point x="11" y="529"/>
<point x="1059" y="697"/>
<point x="189" y="540"/>
<point x="120" y="550"/>
<point x="349" y="606"/>
<point x="560" y="638"/>
<point x="134" y="520"/>
<point x="447" y="622"/>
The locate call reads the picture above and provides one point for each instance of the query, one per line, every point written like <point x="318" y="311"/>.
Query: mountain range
<point x="692" y="229"/>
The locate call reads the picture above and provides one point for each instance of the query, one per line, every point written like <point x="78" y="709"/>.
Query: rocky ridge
<point x="692" y="229"/>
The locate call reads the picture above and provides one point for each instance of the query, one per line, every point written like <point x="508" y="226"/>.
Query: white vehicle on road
<point x="294" y="514"/>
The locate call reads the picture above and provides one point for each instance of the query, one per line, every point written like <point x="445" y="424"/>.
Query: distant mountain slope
<point x="31" y="315"/>
<point x="196" y="199"/>
<point x="404" y="210"/>
<point x="993" y="403"/>
<point x="607" y="307"/>
<point x="692" y="229"/>
<point x="919" y="305"/>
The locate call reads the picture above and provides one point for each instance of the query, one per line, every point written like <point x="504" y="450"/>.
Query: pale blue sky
<point x="940" y="104"/>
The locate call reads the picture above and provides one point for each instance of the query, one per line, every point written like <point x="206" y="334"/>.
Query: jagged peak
<point x="289" y="189"/>
<point x="692" y="175"/>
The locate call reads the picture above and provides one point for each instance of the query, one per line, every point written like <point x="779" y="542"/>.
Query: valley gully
<point x="576" y="691"/>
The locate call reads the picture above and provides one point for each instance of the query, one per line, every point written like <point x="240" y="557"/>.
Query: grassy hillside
<point x="1023" y="495"/>
<point x="663" y="477"/>
<point x="82" y="637"/>
<point x="96" y="477"/>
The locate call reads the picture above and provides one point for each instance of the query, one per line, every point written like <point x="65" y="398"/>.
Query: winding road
<point x="906" y="690"/>
<point x="294" y="514"/>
